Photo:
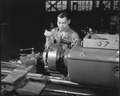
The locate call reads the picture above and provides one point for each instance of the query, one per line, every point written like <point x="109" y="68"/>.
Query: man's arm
<point x="48" y="42"/>
<point x="75" y="39"/>
<point x="49" y="39"/>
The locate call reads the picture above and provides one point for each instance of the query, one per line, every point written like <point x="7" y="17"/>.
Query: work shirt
<point x="57" y="36"/>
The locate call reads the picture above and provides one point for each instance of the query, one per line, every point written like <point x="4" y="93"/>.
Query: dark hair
<point x="64" y="14"/>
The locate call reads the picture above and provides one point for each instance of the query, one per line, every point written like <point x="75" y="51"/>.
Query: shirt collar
<point x="65" y="30"/>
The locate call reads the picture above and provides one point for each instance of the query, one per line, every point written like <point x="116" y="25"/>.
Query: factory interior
<point x="91" y="69"/>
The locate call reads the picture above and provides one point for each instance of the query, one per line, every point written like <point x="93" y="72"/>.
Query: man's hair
<point x="64" y="14"/>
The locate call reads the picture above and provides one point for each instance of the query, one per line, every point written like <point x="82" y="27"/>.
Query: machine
<point x="88" y="70"/>
<point x="85" y="65"/>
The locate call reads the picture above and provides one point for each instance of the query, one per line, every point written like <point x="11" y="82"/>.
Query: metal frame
<point x="82" y="5"/>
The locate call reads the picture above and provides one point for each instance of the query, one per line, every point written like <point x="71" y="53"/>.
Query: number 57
<point x="103" y="43"/>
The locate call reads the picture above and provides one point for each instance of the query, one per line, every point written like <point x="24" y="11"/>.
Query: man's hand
<point x="47" y="33"/>
<point x="63" y="34"/>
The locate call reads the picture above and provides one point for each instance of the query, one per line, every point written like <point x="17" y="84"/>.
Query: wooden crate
<point x="106" y="41"/>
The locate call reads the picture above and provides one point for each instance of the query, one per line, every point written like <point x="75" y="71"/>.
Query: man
<point x="62" y="33"/>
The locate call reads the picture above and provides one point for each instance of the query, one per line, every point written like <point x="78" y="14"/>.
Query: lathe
<point x="82" y="65"/>
<point x="91" y="66"/>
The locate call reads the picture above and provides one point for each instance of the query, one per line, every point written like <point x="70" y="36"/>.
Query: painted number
<point x="103" y="43"/>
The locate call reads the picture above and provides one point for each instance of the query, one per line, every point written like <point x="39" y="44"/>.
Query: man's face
<point x="62" y="23"/>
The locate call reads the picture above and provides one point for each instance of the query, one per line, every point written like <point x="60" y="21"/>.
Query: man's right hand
<point x="47" y="33"/>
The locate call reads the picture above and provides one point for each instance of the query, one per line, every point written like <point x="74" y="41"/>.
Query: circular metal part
<point x="44" y="57"/>
<point x="54" y="56"/>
